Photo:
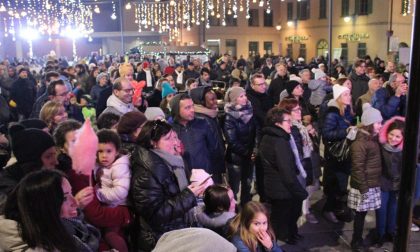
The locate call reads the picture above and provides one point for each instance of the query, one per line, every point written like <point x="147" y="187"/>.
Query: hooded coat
<point x="200" y="142"/>
<point x="391" y="160"/>
<point x="211" y="118"/>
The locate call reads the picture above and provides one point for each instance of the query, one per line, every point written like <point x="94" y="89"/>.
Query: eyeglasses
<point x="288" y="121"/>
<point x="260" y="84"/>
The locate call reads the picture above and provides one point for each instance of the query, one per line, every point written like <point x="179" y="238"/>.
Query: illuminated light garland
<point x="169" y="16"/>
<point x="404" y="8"/>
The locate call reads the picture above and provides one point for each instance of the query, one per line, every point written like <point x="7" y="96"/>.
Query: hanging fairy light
<point x="114" y="11"/>
<point x="404" y="8"/>
<point x="224" y="13"/>
<point x="247" y="10"/>
<point x="268" y="11"/>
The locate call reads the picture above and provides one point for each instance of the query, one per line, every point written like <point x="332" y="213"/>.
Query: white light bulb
<point x="128" y="6"/>
<point x="113" y="16"/>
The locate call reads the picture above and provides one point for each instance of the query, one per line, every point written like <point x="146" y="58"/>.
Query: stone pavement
<point x="329" y="237"/>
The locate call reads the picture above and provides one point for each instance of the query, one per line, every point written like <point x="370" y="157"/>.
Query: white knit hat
<point x="338" y="90"/>
<point x="318" y="73"/>
<point x="370" y="115"/>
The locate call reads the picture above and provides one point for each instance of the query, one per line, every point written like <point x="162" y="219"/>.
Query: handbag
<point x="340" y="150"/>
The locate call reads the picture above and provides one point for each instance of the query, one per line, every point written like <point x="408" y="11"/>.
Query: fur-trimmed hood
<point x="383" y="132"/>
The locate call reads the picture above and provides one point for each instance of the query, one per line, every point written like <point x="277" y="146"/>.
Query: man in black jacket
<point x="261" y="103"/>
<point x="278" y="83"/>
<point x="199" y="142"/>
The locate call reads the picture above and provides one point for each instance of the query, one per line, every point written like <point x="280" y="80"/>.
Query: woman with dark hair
<point x="303" y="138"/>
<point x="161" y="192"/>
<point x="284" y="176"/>
<point x="129" y="128"/>
<point x="47" y="216"/>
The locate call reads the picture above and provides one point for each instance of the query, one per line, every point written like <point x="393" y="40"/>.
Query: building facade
<point x="295" y="28"/>
<point x="301" y="29"/>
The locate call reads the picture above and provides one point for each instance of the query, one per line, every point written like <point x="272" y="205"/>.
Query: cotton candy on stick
<point x="83" y="150"/>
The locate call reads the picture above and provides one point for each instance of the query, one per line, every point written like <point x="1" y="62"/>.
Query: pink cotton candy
<point x="83" y="150"/>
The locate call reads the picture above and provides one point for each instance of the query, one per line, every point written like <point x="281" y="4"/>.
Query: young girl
<point x="391" y="138"/>
<point x="366" y="168"/>
<point x="218" y="210"/>
<point x="251" y="231"/>
<point x="53" y="113"/>
<point x="113" y="181"/>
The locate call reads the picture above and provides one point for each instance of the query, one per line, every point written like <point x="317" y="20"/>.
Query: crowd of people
<point x="178" y="154"/>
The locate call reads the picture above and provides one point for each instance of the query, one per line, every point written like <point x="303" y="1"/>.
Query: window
<point x="322" y="9"/>
<point x="344" y="51"/>
<point x="363" y="7"/>
<point x="322" y="48"/>
<point x="268" y="47"/>
<point x="253" y="48"/>
<point x="361" y="50"/>
<point x="231" y="46"/>
<point x="303" y="10"/>
<point x="302" y="51"/>
<point x="268" y="19"/>
<point x="345" y="8"/>
<point x="214" y="21"/>
<point x="290" y="11"/>
<point x="231" y="21"/>
<point x="289" y="52"/>
<point x="254" y="19"/>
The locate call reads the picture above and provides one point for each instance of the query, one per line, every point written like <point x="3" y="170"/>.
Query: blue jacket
<point x="385" y="101"/>
<point x="240" y="245"/>
<point x="199" y="143"/>
<point x="335" y="126"/>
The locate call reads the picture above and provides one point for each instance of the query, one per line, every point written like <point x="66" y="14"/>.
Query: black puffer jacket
<point x="280" y="171"/>
<point x="155" y="193"/>
<point x="240" y="137"/>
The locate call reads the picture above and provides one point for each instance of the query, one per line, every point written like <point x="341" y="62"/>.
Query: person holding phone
<point x="160" y="188"/>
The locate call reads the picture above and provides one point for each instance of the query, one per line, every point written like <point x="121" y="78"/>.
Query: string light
<point x="114" y="11"/>
<point x="404" y="9"/>
<point x="169" y="16"/>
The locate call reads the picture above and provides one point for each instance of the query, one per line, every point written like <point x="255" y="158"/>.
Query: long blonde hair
<point x="48" y="112"/>
<point x="241" y="223"/>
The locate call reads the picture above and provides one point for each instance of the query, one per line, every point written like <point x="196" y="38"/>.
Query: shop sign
<point x="352" y="37"/>
<point x="296" y="38"/>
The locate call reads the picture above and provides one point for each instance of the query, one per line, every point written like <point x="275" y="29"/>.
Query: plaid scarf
<point x="307" y="145"/>
<point x="244" y="113"/>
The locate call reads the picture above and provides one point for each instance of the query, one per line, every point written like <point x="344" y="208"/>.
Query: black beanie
<point x="29" y="144"/>
<point x="34" y="123"/>
<point x="291" y="85"/>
